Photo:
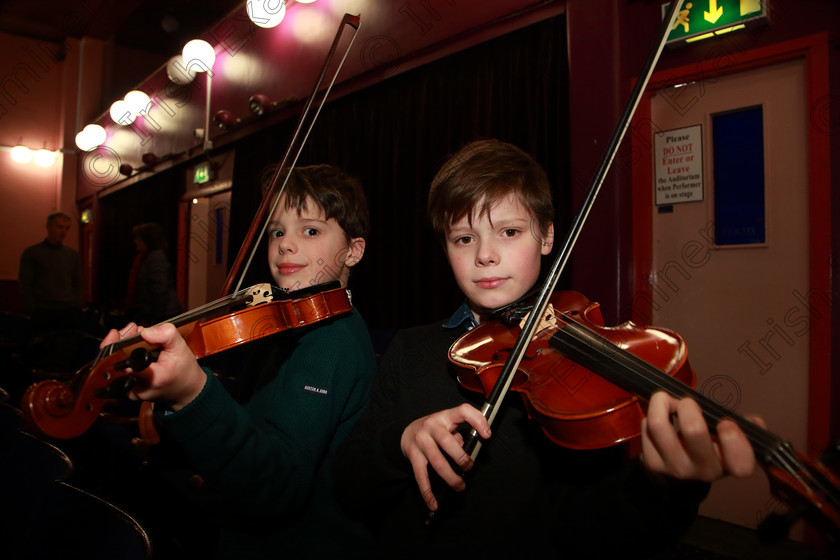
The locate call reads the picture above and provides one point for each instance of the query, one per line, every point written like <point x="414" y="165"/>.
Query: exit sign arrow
<point x="714" y="12"/>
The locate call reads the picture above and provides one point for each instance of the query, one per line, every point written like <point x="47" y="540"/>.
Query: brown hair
<point x="338" y="194"/>
<point x="480" y="174"/>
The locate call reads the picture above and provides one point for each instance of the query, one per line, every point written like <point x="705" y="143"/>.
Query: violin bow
<point x="272" y="196"/>
<point x="472" y="444"/>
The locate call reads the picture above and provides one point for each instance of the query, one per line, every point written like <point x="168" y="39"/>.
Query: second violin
<point x="575" y="406"/>
<point x="586" y="383"/>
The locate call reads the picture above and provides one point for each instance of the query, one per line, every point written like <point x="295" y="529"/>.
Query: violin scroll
<point x="54" y="409"/>
<point x="47" y="400"/>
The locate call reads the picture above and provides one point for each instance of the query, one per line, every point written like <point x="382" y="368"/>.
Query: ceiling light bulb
<point x="44" y="158"/>
<point x="90" y="137"/>
<point x="21" y="154"/>
<point x="199" y="55"/>
<point x="266" y="13"/>
<point x="121" y="112"/>
<point x="138" y="102"/>
<point x="96" y="133"/>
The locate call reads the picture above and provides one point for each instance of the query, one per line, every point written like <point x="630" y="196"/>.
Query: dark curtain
<point x="394" y="136"/>
<point x="152" y="200"/>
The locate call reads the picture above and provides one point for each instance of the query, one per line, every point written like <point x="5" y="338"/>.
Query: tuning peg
<point x="138" y="360"/>
<point x="116" y="388"/>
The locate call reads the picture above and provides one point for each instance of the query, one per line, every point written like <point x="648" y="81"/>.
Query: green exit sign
<point x="202" y="173"/>
<point x="698" y="19"/>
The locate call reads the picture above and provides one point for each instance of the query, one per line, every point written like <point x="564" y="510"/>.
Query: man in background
<point x="51" y="279"/>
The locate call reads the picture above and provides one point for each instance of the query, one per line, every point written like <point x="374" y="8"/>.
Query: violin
<point x="586" y="385"/>
<point x="67" y="410"/>
<point x="574" y="405"/>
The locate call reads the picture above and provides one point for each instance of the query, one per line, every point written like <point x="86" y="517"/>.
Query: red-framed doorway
<point x="814" y="49"/>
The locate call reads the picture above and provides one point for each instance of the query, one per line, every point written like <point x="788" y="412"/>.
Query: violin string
<point x="788" y="462"/>
<point x="819" y="480"/>
<point x="641" y="378"/>
<point x="183" y="318"/>
<point x="816" y="486"/>
<point x="769" y="448"/>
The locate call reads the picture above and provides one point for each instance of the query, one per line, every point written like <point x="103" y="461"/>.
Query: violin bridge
<point x="260" y="293"/>
<point x="547" y="321"/>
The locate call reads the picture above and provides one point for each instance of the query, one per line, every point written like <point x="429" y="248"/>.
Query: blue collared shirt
<point x="462" y="316"/>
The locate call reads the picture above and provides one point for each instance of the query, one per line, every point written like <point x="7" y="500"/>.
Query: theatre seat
<point x="74" y="523"/>
<point x="43" y="515"/>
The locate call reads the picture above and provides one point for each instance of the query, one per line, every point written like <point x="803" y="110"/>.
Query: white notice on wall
<point x="679" y="165"/>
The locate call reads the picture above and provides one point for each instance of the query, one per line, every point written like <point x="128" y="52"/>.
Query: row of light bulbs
<point x="201" y="57"/>
<point x="196" y="56"/>
<point x="41" y="158"/>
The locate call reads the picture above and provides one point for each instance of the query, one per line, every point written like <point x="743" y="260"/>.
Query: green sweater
<point x="268" y="459"/>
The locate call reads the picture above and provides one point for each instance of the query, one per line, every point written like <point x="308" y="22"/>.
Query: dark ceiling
<point x="151" y="30"/>
<point x="159" y="27"/>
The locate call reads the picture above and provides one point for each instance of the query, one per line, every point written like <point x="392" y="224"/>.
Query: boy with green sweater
<point x="266" y="455"/>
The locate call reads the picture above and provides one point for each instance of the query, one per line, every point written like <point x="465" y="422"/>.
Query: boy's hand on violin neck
<point x="676" y="443"/>
<point x="175" y="378"/>
<point x="425" y="441"/>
